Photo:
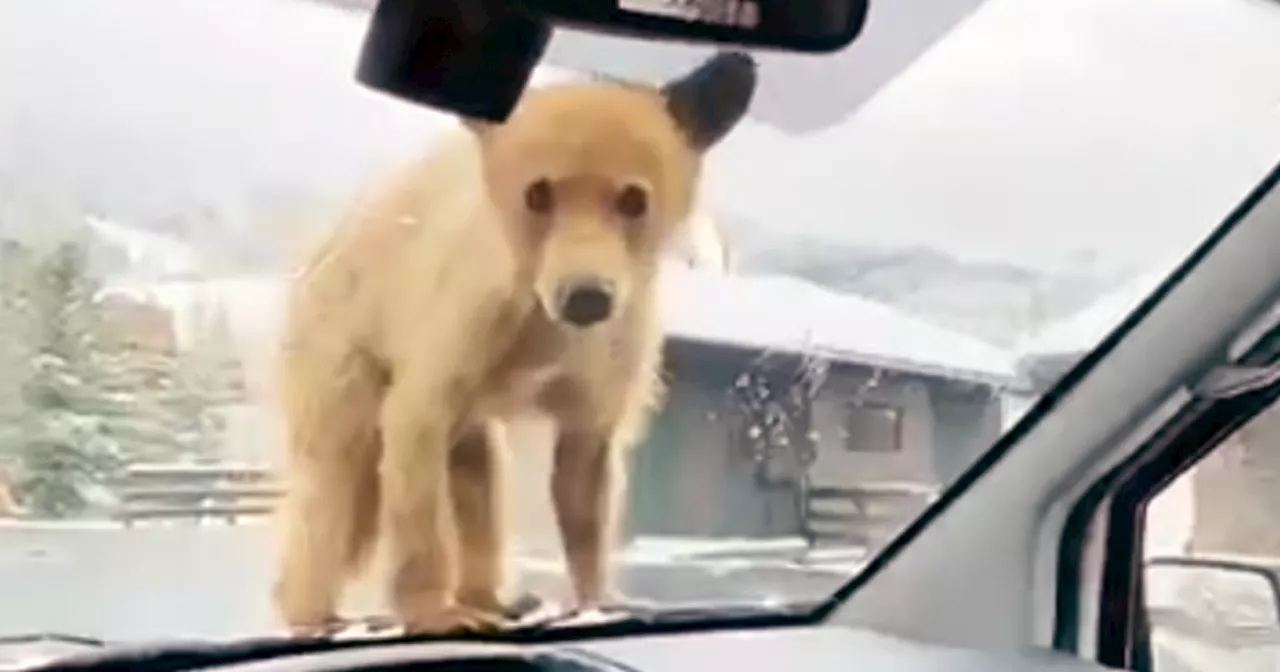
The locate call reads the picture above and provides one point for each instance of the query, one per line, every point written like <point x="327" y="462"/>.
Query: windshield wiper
<point x="657" y="614"/>
<point x="55" y="637"/>
<point x="536" y="618"/>
<point x="28" y="650"/>
<point x="170" y="657"/>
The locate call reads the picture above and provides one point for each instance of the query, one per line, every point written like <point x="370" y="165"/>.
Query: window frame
<point x="1119" y="501"/>
<point x="898" y="418"/>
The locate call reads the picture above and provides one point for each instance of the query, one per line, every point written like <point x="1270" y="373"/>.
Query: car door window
<point x="1211" y="576"/>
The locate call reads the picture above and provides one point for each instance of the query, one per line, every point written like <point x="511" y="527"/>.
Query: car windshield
<point x="872" y="290"/>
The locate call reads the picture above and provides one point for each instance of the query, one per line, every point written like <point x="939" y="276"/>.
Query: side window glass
<point x="1212" y="566"/>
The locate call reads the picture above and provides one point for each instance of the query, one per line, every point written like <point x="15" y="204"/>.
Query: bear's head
<point x="592" y="180"/>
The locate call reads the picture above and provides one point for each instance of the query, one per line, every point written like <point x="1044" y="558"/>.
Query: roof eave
<point x="994" y="379"/>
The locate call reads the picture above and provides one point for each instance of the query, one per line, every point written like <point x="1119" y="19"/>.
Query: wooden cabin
<point x="778" y="388"/>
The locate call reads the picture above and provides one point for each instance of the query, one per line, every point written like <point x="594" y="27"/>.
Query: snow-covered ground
<point x="163" y="581"/>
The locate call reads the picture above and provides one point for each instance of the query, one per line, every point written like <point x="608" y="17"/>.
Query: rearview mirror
<point x="474" y="57"/>
<point x="1212" y="599"/>
<point x="813" y="26"/>
<point x="469" y="57"/>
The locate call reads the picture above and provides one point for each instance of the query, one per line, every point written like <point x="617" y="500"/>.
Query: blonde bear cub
<point x="513" y="269"/>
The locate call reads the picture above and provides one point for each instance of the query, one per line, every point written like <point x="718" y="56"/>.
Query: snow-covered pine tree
<point x="64" y="447"/>
<point x="16" y="349"/>
<point x="138" y="383"/>
<point x="208" y="377"/>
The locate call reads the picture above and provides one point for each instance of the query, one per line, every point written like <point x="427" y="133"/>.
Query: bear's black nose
<point x="586" y="304"/>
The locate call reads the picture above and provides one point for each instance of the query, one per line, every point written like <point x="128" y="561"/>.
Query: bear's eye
<point x="632" y="202"/>
<point x="539" y="198"/>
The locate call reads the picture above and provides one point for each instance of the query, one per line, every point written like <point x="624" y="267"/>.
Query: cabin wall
<point x="843" y="460"/>
<point x="688" y="476"/>
<point x="693" y="476"/>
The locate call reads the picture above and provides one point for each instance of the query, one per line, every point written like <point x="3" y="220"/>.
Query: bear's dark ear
<point x="708" y="102"/>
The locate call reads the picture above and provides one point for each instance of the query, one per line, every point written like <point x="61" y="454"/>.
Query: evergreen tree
<point x="207" y="377"/>
<point x="64" y="446"/>
<point x="16" y="352"/>
<point x="175" y="393"/>
<point x="88" y="387"/>
<point x="139" y="382"/>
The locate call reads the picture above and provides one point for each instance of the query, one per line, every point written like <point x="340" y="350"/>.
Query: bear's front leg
<point x="476" y="482"/>
<point x="587" y="481"/>
<point x="416" y="425"/>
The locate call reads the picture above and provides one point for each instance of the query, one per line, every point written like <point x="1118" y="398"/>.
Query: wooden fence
<point x="866" y="514"/>
<point x="195" y="492"/>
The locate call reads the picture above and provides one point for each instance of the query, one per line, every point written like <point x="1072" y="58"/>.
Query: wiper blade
<point x="162" y="657"/>
<point x="28" y="650"/>
<point x="56" y="637"/>
<point x="541" y="618"/>
<point x="657" y="614"/>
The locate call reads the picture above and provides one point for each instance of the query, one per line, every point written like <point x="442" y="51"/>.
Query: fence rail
<point x="195" y="492"/>
<point x="866" y="514"/>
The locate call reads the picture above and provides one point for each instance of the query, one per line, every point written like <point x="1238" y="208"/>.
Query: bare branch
<point x="772" y="406"/>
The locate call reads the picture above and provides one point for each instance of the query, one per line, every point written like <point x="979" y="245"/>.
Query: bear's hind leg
<point x="330" y="506"/>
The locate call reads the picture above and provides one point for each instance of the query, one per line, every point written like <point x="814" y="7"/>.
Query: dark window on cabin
<point x="872" y="428"/>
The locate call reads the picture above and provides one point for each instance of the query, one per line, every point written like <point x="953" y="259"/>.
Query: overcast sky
<point x="1041" y="132"/>
<point x="1046" y="130"/>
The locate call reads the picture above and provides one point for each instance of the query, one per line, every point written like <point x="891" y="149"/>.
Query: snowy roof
<point x="766" y="312"/>
<point x="1081" y="332"/>
<point x="775" y="312"/>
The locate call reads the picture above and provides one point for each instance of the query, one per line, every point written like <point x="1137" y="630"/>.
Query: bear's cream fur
<point x="512" y="269"/>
